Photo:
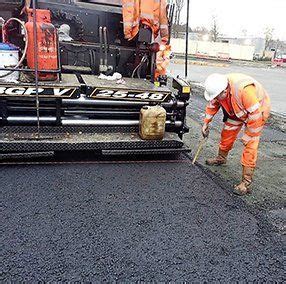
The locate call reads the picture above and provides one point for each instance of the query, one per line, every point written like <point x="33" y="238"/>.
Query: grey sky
<point x="235" y="16"/>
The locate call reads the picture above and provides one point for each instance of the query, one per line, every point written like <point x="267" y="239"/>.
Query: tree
<point x="244" y="32"/>
<point x="214" y="32"/>
<point x="200" y="30"/>
<point x="268" y="33"/>
<point x="179" y="4"/>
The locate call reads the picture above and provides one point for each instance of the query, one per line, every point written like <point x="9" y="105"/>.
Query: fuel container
<point x="152" y="123"/>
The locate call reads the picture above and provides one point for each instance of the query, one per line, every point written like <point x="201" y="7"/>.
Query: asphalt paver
<point x="153" y="221"/>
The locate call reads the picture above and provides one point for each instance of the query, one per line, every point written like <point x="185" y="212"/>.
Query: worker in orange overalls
<point x="244" y="102"/>
<point x="152" y="13"/>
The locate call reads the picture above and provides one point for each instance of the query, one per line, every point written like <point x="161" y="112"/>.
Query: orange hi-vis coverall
<point x="152" y="13"/>
<point x="247" y="103"/>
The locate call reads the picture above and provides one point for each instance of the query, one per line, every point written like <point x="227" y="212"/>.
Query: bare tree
<point x="268" y="33"/>
<point x="214" y="32"/>
<point x="200" y="30"/>
<point x="244" y="32"/>
<point x="179" y="4"/>
<point x="179" y="7"/>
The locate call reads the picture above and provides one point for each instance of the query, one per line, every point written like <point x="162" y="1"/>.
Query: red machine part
<point x="47" y="47"/>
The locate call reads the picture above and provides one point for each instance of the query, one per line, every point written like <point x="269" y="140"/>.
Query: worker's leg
<point x="248" y="160"/>
<point x="249" y="155"/>
<point x="228" y="136"/>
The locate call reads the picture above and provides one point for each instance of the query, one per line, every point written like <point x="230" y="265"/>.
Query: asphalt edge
<point x="265" y="227"/>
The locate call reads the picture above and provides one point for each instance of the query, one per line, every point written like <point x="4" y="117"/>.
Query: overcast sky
<point x="235" y="16"/>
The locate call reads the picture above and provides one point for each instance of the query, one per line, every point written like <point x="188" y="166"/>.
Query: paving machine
<point x="71" y="81"/>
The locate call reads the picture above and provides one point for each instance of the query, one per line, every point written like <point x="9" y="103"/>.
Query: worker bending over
<point x="244" y="102"/>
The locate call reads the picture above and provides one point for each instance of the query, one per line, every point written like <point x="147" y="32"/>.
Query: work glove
<point x="205" y="130"/>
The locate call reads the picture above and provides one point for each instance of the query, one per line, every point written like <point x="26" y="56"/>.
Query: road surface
<point x="145" y="220"/>
<point x="130" y="222"/>
<point x="273" y="79"/>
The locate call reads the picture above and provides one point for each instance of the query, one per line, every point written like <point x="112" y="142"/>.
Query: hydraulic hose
<point x="143" y="60"/>
<point x="26" y="44"/>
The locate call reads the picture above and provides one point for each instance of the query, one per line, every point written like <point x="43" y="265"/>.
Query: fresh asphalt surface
<point x="130" y="221"/>
<point x="138" y="220"/>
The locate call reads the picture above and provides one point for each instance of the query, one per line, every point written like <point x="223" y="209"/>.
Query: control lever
<point x="103" y="66"/>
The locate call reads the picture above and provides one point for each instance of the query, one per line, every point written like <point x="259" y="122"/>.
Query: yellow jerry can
<point x="152" y="122"/>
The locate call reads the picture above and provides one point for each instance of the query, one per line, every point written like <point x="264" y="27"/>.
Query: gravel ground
<point x="131" y="222"/>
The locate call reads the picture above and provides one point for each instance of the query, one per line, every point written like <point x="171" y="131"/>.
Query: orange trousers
<point x="228" y="137"/>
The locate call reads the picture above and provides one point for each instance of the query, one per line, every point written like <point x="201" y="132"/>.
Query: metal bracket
<point x="26" y="155"/>
<point x="145" y="151"/>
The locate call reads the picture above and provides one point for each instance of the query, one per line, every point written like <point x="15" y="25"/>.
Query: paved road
<point x="130" y="222"/>
<point x="138" y="221"/>
<point x="273" y="79"/>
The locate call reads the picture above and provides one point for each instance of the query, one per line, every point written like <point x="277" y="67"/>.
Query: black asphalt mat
<point x="130" y="222"/>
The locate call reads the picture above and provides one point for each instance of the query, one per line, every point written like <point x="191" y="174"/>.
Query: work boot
<point x="244" y="187"/>
<point x="220" y="159"/>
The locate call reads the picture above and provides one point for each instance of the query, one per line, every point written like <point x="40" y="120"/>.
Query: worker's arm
<point x="255" y="123"/>
<point x="164" y="27"/>
<point x="211" y="109"/>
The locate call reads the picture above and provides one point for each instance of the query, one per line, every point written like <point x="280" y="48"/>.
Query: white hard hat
<point x="214" y="85"/>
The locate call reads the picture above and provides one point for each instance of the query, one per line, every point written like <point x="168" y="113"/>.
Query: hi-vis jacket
<point x="248" y="103"/>
<point x="147" y="12"/>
